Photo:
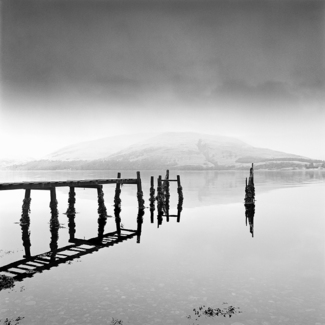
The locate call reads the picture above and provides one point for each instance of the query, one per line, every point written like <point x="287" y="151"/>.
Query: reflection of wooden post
<point x="72" y="226"/>
<point x="151" y="216"/>
<point x="54" y="240"/>
<point x="26" y="208"/>
<point x="26" y="239"/>
<point x="71" y="201"/>
<point x="101" y="203"/>
<point x="139" y="223"/>
<point x="117" y="220"/>
<point x="101" y="227"/>
<point x="54" y="222"/>
<point x="117" y="199"/>
<point x="140" y="193"/>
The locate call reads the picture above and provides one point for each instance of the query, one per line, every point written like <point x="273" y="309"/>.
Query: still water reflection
<point x="160" y="275"/>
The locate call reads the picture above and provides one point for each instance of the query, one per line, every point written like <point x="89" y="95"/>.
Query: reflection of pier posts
<point x="101" y="203"/>
<point x="54" y="222"/>
<point x="117" y="199"/>
<point x="25" y="222"/>
<point x="25" y="233"/>
<point x="26" y="208"/>
<point x="117" y="212"/>
<point x="249" y="213"/>
<point x="139" y="192"/>
<point x="101" y="226"/>
<point x="71" y="201"/>
<point x="72" y="226"/>
<point x="54" y="228"/>
<point x="139" y="223"/>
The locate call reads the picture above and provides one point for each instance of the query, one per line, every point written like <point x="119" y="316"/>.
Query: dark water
<point x="208" y="258"/>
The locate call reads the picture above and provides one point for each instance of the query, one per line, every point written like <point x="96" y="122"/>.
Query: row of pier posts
<point x="162" y="197"/>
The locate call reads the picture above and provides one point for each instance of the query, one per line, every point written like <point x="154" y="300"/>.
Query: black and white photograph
<point x="162" y="162"/>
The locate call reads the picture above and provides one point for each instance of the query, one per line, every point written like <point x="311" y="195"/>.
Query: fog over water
<point x="73" y="71"/>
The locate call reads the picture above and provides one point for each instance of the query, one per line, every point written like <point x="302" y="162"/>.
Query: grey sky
<point x="93" y="68"/>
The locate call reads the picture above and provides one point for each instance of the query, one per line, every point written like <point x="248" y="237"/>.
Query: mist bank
<point x="173" y="150"/>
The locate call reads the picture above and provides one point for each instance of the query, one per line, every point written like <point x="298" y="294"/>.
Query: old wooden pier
<point x="72" y="184"/>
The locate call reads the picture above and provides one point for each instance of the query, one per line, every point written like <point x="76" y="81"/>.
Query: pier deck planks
<point x="69" y="183"/>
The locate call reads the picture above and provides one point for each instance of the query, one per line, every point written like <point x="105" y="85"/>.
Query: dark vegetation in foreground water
<point x="12" y="321"/>
<point x="6" y="282"/>
<point x="204" y="311"/>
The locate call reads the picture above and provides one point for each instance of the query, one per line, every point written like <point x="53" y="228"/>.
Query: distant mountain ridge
<point x="173" y="150"/>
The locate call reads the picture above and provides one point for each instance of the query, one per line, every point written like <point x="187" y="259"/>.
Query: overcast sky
<point x="76" y="70"/>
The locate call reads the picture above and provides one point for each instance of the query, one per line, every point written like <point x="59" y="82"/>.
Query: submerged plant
<point x="12" y="321"/>
<point x="6" y="282"/>
<point x="116" y="321"/>
<point x="204" y="311"/>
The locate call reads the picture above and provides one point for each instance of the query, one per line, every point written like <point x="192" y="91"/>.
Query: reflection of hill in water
<point x="200" y="187"/>
<point x="226" y="187"/>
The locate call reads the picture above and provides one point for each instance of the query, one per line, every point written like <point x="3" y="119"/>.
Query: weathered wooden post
<point x="160" y="199"/>
<point x="140" y="193"/>
<point x="102" y="211"/>
<point x="179" y="209"/>
<point x="167" y="194"/>
<point x="26" y="208"/>
<point x="71" y="201"/>
<point x="179" y="190"/>
<point x="117" y="199"/>
<point x="152" y="194"/>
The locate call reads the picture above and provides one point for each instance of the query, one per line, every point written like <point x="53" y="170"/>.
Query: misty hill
<point x="167" y="150"/>
<point x="96" y="149"/>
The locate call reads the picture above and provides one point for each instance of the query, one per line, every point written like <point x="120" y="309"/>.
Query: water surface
<point x="209" y="258"/>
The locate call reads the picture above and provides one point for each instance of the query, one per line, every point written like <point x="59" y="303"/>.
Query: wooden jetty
<point x="72" y="184"/>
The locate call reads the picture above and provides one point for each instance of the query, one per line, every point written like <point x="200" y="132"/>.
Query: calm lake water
<point x="208" y="258"/>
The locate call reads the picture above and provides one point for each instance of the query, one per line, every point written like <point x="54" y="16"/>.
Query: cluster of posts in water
<point x="163" y="198"/>
<point x="78" y="247"/>
<point x="250" y="200"/>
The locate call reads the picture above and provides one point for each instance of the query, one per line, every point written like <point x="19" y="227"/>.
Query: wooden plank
<point x="71" y="183"/>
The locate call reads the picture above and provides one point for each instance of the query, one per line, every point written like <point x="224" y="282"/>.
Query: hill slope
<point x="167" y="150"/>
